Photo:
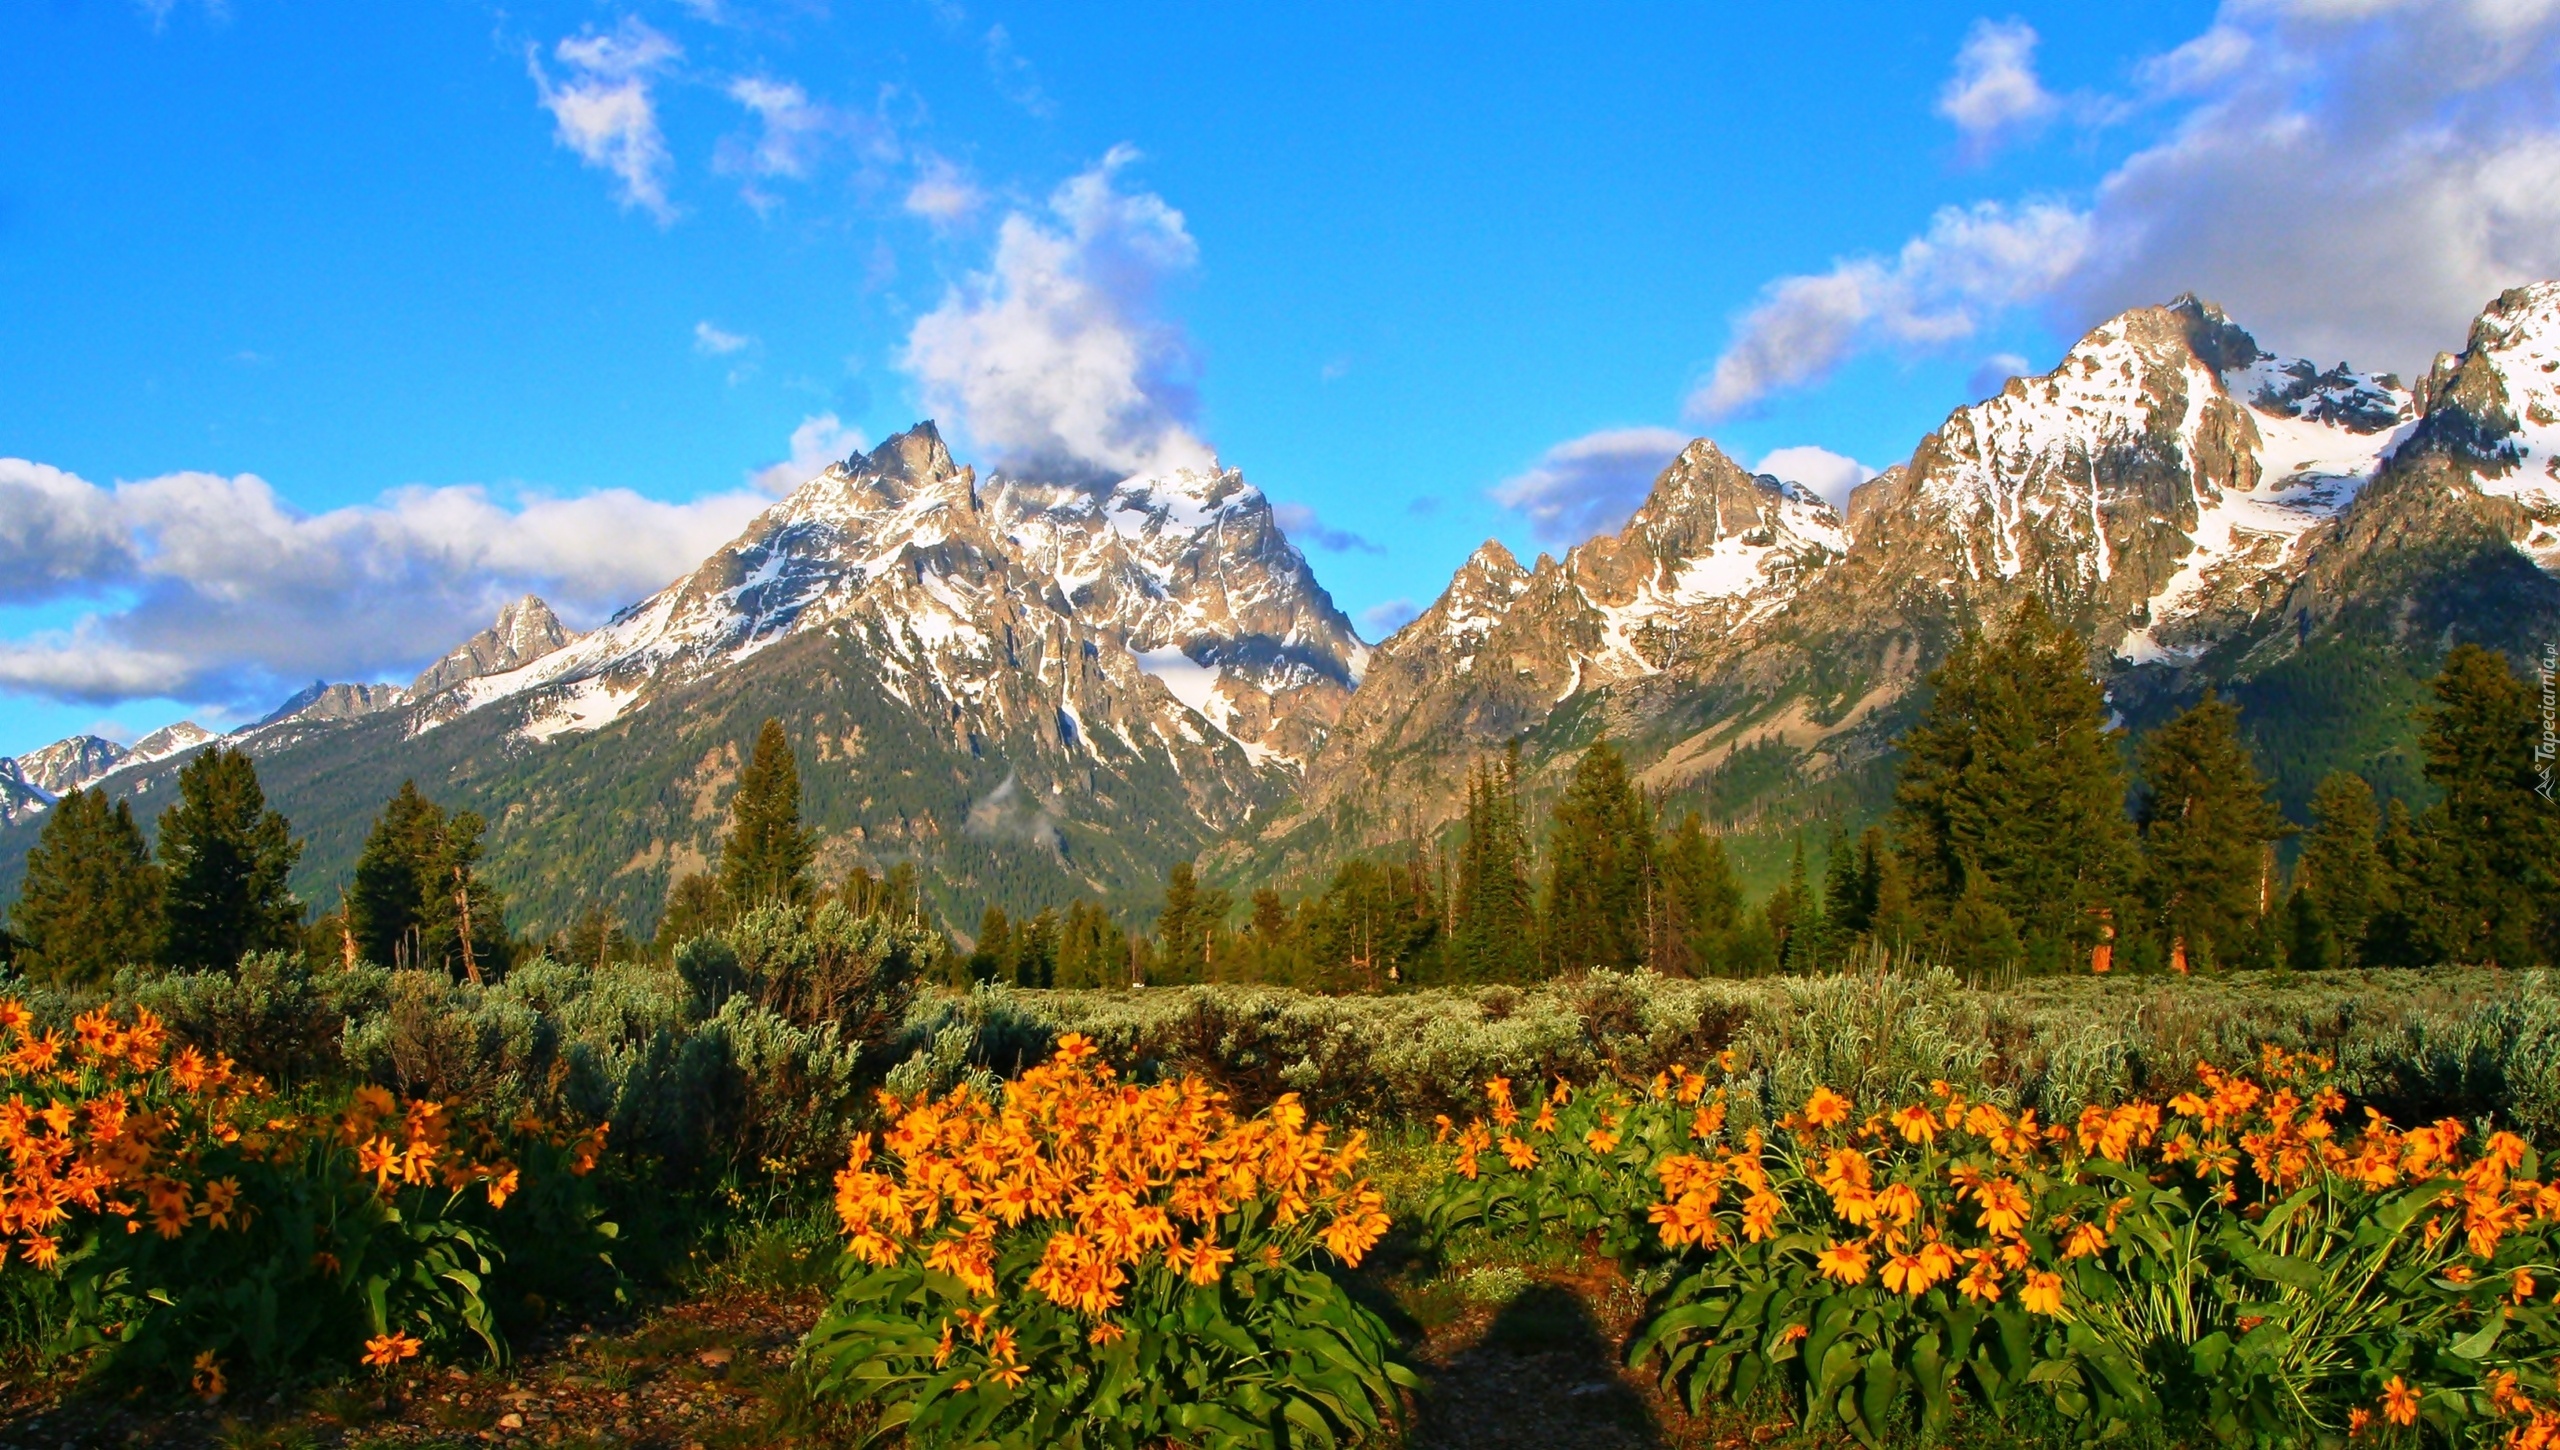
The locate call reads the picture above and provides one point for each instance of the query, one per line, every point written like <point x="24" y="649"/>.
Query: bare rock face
<point x="1016" y="677"/>
<point x="166" y="742"/>
<point x="1168" y="612"/>
<point x="67" y="765"/>
<point x="31" y="783"/>
<point x="2493" y="415"/>
<point x="525" y="631"/>
<point x="2196" y="504"/>
<point x="320" y="702"/>
<point x="1713" y="554"/>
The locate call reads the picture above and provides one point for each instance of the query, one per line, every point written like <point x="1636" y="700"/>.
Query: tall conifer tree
<point x="2489" y="848"/>
<point x="992" y="959"/>
<point x="91" y="899"/>
<point x="1699" y="911"/>
<point x="2013" y="788"/>
<point x="2206" y="826"/>
<point x="2340" y="874"/>
<point x="1600" y="868"/>
<point x="1495" y="927"/>
<point x="417" y="882"/>
<point x="767" y="855"/>
<point x="1186" y="930"/>
<point x="228" y="862"/>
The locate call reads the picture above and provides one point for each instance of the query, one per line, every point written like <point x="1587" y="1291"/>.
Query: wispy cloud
<point x="1994" y="90"/>
<point x="1589" y="485"/>
<point x="1014" y="77"/>
<point x="943" y="193"/>
<point x="712" y="340"/>
<point x="1832" y="477"/>
<point x="1972" y="262"/>
<point x="603" y="110"/>
<point x="1388" y="616"/>
<point x="1301" y="522"/>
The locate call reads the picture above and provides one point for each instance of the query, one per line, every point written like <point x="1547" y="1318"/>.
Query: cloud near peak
<point x="211" y="587"/>
<point x="1591" y="484"/>
<point x="2404" y="154"/>
<point x="1057" y="357"/>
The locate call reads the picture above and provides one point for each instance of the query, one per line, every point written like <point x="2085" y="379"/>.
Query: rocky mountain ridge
<point x="2210" y="513"/>
<point x="1093" y="676"/>
<point x="1041" y="689"/>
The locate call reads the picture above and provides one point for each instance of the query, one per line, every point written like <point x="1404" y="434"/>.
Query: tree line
<point x="2024" y="836"/>
<point x="98" y="898"/>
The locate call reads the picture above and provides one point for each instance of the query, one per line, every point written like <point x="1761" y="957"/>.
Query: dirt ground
<point x="1524" y="1356"/>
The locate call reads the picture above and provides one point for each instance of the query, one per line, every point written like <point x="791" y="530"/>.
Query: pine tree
<point x="90" y="902"/>
<point x="416" y="883"/>
<point x="1494" y="934"/>
<point x="1699" y="915"/>
<point x="2489" y="863"/>
<point x="1846" y="904"/>
<point x="693" y="908"/>
<point x="1884" y="888"/>
<point x="1794" y="917"/>
<point x="2341" y="868"/>
<point x="1600" y="868"/>
<point x="1187" y="927"/>
<point x="1982" y="939"/>
<point x="2206" y="824"/>
<point x="766" y="857"/>
<point x="2311" y="941"/>
<point x="2396" y="936"/>
<point x="1035" y="951"/>
<point x="2013" y="787"/>
<point x="992" y="959"/>
<point x="227" y="861"/>
<point x="1094" y="952"/>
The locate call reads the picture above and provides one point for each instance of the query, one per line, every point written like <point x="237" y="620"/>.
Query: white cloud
<point x="793" y="128"/>
<point x="1831" y="476"/>
<point x="1589" y="485"/>
<point x="817" y="442"/>
<point x="2352" y="179"/>
<point x="711" y="340"/>
<point x="58" y="533"/>
<point x="1994" y="89"/>
<point x="213" y="588"/>
<point x="603" y="110"/>
<point x="2372" y="176"/>
<point x="943" y="193"/>
<point x="1973" y="261"/>
<point x="1055" y="357"/>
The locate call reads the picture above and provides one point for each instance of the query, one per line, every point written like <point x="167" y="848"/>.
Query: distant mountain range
<point x="1037" y="690"/>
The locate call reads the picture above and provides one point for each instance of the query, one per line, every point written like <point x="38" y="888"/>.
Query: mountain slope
<point x="1036" y="691"/>
<point x="2310" y="539"/>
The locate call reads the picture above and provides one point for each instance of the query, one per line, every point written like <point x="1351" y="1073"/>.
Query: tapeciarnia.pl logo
<point x="2544" y="749"/>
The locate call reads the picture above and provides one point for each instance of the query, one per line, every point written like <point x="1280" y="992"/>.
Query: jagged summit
<point x="524" y="631"/>
<point x="68" y="764"/>
<point x="2200" y="505"/>
<point x="1017" y="678"/>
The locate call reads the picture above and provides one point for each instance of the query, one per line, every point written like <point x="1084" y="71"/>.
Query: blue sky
<point x="324" y="328"/>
